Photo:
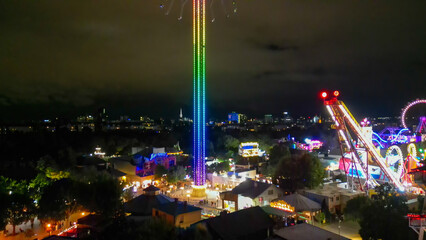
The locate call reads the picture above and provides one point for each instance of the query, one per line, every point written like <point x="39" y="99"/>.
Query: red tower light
<point x="324" y="94"/>
<point x="336" y="93"/>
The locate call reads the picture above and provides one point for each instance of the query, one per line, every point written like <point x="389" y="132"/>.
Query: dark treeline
<point x="19" y="152"/>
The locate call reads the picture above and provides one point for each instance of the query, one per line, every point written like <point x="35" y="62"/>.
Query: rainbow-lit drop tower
<point x="199" y="45"/>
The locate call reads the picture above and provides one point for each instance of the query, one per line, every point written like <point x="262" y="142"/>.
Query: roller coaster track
<point x="343" y="119"/>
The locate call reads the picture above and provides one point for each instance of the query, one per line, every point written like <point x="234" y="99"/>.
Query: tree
<point x="176" y="175"/>
<point x="277" y="153"/>
<point x="268" y="170"/>
<point x="58" y="201"/>
<point x="385" y="218"/>
<point x="37" y="185"/>
<point x="299" y="171"/>
<point x="101" y="195"/>
<point x="4" y="202"/>
<point x="159" y="171"/>
<point x="18" y="208"/>
<point x="222" y="166"/>
<point x="420" y="203"/>
<point x="381" y="222"/>
<point x="325" y="210"/>
<point x="266" y="143"/>
<point x="231" y="143"/>
<point x="317" y="172"/>
<point x="355" y="206"/>
<point x="17" y="202"/>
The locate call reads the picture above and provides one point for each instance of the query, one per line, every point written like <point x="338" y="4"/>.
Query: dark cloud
<point x="278" y="48"/>
<point x="269" y="56"/>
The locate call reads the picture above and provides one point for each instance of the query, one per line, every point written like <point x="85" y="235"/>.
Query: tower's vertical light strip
<point x="199" y="35"/>
<point x="195" y="55"/>
<point x="203" y="65"/>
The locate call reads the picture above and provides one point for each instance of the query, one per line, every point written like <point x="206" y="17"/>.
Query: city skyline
<point x="300" y="120"/>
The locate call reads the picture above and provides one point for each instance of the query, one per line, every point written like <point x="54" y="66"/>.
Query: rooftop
<point x="300" y="203"/>
<point x="277" y="212"/>
<point x="332" y="189"/>
<point x="250" y="188"/>
<point x="305" y="231"/>
<point x="151" y="188"/>
<point x="143" y="204"/>
<point x="242" y="224"/>
<point x="176" y="208"/>
<point x="116" y="173"/>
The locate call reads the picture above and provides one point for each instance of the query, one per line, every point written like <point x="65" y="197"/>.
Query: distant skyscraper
<point x="100" y="119"/>
<point x="287" y="118"/>
<point x="243" y="118"/>
<point x="180" y="114"/>
<point x="233" y="117"/>
<point x="269" y="118"/>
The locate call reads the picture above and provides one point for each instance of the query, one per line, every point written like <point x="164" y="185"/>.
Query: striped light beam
<point x="199" y="44"/>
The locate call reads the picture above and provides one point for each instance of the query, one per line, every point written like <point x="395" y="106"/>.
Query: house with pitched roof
<point x="180" y="214"/>
<point x="250" y="193"/>
<point x="143" y="204"/>
<point x="299" y="206"/>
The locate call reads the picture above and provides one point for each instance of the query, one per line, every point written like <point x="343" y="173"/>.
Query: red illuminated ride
<point x="418" y="223"/>
<point x="345" y="123"/>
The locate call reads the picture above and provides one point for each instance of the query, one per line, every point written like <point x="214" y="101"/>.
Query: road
<point x="348" y="229"/>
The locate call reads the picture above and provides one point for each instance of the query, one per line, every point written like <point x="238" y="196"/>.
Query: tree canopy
<point x="299" y="171"/>
<point x="383" y="216"/>
<point x="176" y="174"/>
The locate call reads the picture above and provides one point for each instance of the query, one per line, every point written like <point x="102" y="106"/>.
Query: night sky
<point x="69" y="57"/>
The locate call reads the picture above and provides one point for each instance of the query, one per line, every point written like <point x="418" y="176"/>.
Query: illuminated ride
<point x="395" y="135"/>
<point x="199" y="87"/>
<point x="309" y="145"/>
<point x="421" y="127"/>
<point x="392" y="135"/>
<point x="356" y="156"/>
<point x="250" y="149"/>
<point x="395" y="161"/>
<point x="199" y="73"/>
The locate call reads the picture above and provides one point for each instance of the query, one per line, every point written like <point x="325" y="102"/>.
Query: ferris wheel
<point x="406" y="115"/>
<point x="395" y="161"/>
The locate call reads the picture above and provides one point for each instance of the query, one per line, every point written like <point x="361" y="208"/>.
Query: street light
<point x="339" y="226"/>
